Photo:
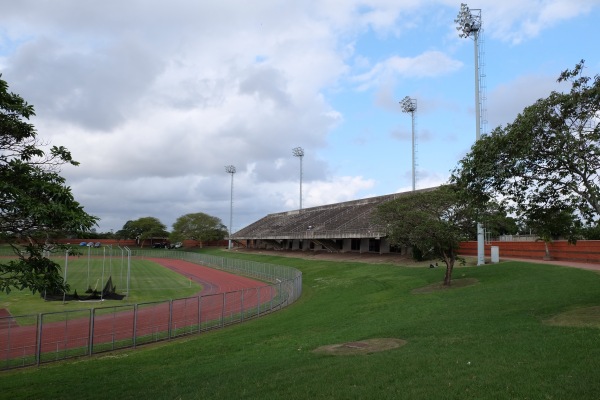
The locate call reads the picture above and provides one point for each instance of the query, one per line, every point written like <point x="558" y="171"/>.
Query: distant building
<point x="341" y="227"/>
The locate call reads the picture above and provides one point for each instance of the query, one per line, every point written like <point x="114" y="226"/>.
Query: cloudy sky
<point x="156" y="97"/>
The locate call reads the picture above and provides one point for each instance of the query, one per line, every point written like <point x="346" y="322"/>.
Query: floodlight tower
<point x="469" y="24"/>
<point x="230" y="169"/>
<point x="299" y="152"/>
<point x="410" y="106"/>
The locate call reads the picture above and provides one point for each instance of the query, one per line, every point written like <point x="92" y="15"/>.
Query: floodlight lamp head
<point x="298" y="152"/>
<point x="230" y="169"/>
<point x="408" y="105"/>
<point x="469" y="21"/>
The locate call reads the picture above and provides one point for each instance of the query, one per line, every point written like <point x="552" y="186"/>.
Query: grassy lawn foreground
<point x="488" y="340"/>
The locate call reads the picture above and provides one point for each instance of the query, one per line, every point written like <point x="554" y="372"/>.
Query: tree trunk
<point x="547" y="256"/>
<point x="449" y="260"/>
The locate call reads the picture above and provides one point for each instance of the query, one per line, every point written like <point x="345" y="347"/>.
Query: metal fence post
<point x="279" y="293"/>
<point x="199" y="314"/>
<point x="242" y="306"/>
<point x="223" y="312"/>
<point x="38" y="350"/>
<point x="170" y="328"/>
<point x="91" y="338"/>
<point x="135" y="313"/>
<point x="258" y="302"/>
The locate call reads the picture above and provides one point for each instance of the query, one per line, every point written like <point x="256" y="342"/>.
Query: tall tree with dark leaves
<point x="35" y="202"/>
<point x="548" y="158"/>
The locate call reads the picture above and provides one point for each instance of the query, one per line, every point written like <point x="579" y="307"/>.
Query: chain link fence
<point x="40" y="338"/>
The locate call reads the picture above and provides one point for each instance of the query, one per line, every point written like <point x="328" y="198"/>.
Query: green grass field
<point x="490" y="340"/>
<point x="148" y="282"/>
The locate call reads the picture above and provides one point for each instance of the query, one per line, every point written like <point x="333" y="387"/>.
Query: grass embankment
<point x="484" y="341"/>
<point x="148" y="282"/>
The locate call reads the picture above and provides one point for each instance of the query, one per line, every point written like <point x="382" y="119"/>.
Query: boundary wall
<point x="584" y="251"/>
<point x="34" y="339"/>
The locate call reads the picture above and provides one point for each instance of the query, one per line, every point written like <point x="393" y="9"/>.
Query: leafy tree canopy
<point x="547" y="159"/>
<point x="434" y="221"/>
<point x="143" y="228"/>
<point x="35" y="203"/>
<point x="552" y="223"/>
<point x="497" y="222"/>
<point x="198" y="226"/>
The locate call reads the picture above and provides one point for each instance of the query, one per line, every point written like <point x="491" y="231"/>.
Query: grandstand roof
<point x="350" y="219"/>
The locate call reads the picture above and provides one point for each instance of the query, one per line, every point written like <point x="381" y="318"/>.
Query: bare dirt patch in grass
<point x="366" y="346"/>
<point x="588" y="317"/>
<point x="439" y="286"/>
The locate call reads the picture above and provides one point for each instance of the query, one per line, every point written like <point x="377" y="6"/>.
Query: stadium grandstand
<point x="342" y="227"/>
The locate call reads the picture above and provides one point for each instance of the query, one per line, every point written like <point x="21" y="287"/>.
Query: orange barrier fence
<point x="586" y="251"/>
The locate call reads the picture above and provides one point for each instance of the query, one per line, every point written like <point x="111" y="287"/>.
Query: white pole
<point x="102" y="282"/>
<point x="88" y="280"/>
<point x="110" y="260"/>
<point x="410" y="106"/>
<point x="66" y="265"/>
<point x="121" y="273"/>
<point x="65" y="273"/>
<point x="301" y="182"/>
<point x="230" y="212"/>
<point x="128" y="269"/>
<point x="480" y="232"/>
<point x="299" y="152"/>
<point x="477" y="84"/>
<point x="230" y="169"/>
<point x="414" y="164"/>
<point x="470" y="24"/>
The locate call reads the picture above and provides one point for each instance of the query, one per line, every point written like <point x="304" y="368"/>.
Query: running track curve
<point x="19" y="341"/>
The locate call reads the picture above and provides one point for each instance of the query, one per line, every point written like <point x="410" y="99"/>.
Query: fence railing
<point x="40" y="338"/>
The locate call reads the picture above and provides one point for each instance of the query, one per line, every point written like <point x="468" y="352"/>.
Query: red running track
<point x="224" y="297"/>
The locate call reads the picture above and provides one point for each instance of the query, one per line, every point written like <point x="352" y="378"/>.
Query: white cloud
<point x="427" y="65"/>
<point x="509" y="99"/>
<point x="516" y="20"/>
<point x="154" y="98"/>
<point x="343" y="188"/>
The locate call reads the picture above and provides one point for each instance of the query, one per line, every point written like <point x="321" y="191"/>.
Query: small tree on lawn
<point x="434" y="221"/>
